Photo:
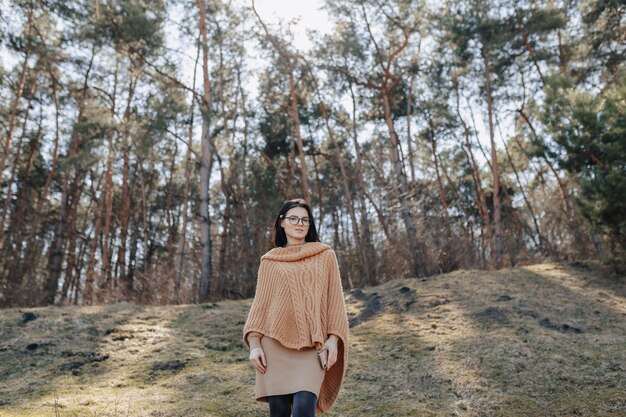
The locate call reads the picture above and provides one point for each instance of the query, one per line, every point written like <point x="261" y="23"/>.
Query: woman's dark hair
<point x="280" y="238"/>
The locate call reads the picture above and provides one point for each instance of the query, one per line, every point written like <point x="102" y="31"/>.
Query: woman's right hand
<point x="257" y="357"/>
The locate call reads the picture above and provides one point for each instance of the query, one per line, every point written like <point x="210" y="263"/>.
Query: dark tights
<point x="303" y="404"/>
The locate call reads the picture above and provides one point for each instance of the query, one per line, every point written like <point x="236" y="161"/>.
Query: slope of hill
<point x="542" y="340"/>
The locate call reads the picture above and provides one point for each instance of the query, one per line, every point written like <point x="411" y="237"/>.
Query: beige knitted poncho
<point x="299" y="301"/>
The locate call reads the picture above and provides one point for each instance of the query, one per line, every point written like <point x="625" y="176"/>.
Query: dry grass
<point x="543" y="340"/>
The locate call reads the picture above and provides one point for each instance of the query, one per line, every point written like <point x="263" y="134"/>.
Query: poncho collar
<point x="295" y="253"/>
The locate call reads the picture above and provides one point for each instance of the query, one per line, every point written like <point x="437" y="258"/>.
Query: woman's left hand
<point x="331" y="345"/>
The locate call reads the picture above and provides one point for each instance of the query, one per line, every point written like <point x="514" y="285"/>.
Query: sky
<point x="309" y="13"/>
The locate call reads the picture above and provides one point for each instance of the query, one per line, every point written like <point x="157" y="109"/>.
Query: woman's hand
<point x="257" y="357"/>
<point x="331" y="345"/>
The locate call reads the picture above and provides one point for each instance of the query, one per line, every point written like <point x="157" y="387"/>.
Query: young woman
<point x="297" y="326"/>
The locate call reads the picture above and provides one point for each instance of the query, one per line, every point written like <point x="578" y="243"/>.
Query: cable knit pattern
<point x="299" y="301"/>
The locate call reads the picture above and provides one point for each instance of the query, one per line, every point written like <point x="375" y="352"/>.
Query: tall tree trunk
<point x="20" y="268"/>
<point x="57" y="248"/>
<point x="172" y="228"/>
<point x="296" y="127"/>
<point x="244" y="210"/>
<point x="18" y="153"/>
<point x="496" y="258"/>
<point x="442" y="194"/>
<point x="54" y="164"/>
<point x="221" y="260"/>
<point x="482" y="199"/>
<point x="71" y="283"/>
<point x="368" y="246"/>
<point x="318" y="188"/>
<point x="180" y="270"/>
<point x="204" y="286"/>
<point x="145" y="223"/>
<point x="409" y="141"/>
<point x="388" y="83"/>
<point x="125" y="286"/>
<point x="402" y="186"/>
<point x="55" y="258"/>
<point x="541" y="242"/>
<point x="91" y="278"/>
<point x="105" y="277"/>
<point x="72" y="260"/>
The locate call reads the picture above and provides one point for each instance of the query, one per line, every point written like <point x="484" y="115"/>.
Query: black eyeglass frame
<point x="300" y="220"/>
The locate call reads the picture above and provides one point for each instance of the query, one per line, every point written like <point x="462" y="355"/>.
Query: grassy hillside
<point x="543" y="340"/>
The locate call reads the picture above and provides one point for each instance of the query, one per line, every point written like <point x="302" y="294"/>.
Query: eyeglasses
<point x="294" y="220"/>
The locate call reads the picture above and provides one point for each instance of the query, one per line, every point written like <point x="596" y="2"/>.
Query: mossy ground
<point x="542" y="340"/>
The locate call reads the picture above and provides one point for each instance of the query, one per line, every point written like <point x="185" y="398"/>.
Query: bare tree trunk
<point x="442" y="194"/>
<point x="409" y="141"/>
<point x="243" y="209"/>
<point x="225" y="186"/>
<point x="180" y="270"/>
<point x="105" y="277"/>
<point x="368" y="247"/>
<point x="320" y="196"/>
<point x="482" y="199"/>
<point x="402" y="186"/>
<point x="55" y="258"/>
<point x="381" y="219"/>
<point x="172" y="230"/>
<point x="388" y="83"/>
<point x="296" y="127"/>
<point x="541" y="241"/>
<point x="205" y="174"/>
<point x="71" y="283"/>
<point x="144" y="217"/>
<point x="496" y="258"/>
<point x="221" y="261"/>
<point x="18" y="153"/>
<point x="125" y="285"/>
<point x="54" y="163"/>
<point x="20" y="268"/>
<point x="88" y="295"/>
<point x="71" y="263"/>
<point x="57" y="248"/>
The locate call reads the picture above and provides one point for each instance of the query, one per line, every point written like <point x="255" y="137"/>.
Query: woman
<point x="297" y="323"/>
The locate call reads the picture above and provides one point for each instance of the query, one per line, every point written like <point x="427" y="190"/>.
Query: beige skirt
<point x="288" y="371"/>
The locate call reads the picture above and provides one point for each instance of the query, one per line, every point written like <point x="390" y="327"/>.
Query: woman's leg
<point x="304" y="404"/>
<point x="280" y="405"/>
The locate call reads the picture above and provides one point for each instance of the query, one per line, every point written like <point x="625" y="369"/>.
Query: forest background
<point x="146" y="146"/>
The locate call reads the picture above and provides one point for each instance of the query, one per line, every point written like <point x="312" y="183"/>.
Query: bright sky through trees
<point x="309" y="13"/>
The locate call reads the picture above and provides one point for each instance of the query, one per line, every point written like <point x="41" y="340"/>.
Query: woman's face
<point x="296" y="232"/>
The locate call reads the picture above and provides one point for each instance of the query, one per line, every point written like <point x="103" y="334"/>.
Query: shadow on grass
<point x="515" y="342"/>
<point x="544" y="343"/>
<point x="160" y="361"/>
<point x="59" y="343"/>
